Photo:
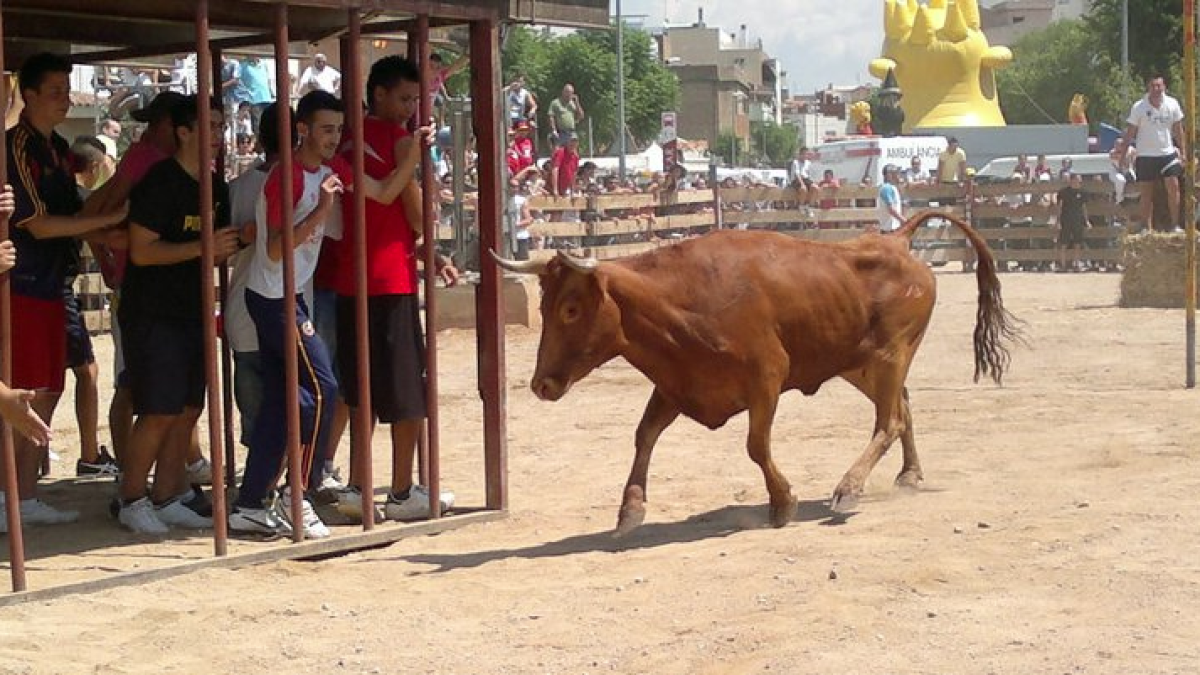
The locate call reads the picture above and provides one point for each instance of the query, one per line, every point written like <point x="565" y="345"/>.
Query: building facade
<point x="1007" y="21"/>
<point x="725" y="82"/>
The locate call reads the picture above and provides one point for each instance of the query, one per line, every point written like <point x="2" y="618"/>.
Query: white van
<point x="1086" y="165"/>
<point x="855" y="159"/>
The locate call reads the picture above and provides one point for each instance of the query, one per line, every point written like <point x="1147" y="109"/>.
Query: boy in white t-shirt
<point x="317" y="176"/>
<point x="1155" y="127"/>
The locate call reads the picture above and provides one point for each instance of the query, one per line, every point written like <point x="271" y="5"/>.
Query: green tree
<point x="1055" y="63"/>
<point x="730" y="149"/>
<point x="774" y="144"/>
<point x="525" y="52"/>
<point x="587" y="60"/>
<point x="1155" y="34"/>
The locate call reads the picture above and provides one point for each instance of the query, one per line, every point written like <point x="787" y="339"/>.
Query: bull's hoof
<point x="843" y="501"/>
<point x="782" y="515"/>
<point x="910" y="479"/>
<point x="629" y="519"/>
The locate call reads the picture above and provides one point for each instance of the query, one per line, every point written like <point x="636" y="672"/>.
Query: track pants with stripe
<point x="267" y="459"/>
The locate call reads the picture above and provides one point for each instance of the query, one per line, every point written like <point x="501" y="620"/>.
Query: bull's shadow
<point x="722" y="522"/>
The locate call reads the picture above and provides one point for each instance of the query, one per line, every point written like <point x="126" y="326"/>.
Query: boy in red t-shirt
<point x="564" y="164"/>
<point x="396" y="343"/>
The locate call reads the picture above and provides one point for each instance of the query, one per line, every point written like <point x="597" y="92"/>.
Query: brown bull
<point x="728" y="321"/>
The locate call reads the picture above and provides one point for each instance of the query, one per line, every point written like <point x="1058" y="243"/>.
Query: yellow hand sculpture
<point x="943" y="63"/>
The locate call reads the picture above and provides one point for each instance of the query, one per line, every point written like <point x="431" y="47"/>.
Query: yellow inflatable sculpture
<point x="943" y="63"/>
<point x="1077" y="111"/>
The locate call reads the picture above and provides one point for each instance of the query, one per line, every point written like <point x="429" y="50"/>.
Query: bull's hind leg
<point x="910" y="475"/>
<point x="758" y="444"/>
<point x="659" y="415"/>
<point x="882" y="382"/>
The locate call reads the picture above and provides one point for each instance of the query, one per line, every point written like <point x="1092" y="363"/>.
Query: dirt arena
<point x="1056" y="533"/>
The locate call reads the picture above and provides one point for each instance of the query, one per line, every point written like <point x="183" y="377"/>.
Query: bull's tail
<point x="995" y="326"/>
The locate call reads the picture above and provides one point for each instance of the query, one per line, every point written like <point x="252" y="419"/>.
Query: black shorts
<point x="397" y="349"/>
<point x="79" y="341"/>
<point x="1150" y="169"/>
<point x="164" y="364"/>
<point x="1071" y="235"/>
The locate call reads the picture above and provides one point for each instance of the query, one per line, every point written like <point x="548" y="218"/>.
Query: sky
<point x="818" y="42"/>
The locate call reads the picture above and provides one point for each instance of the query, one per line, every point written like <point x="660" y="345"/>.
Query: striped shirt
<point x="41" y="172"/>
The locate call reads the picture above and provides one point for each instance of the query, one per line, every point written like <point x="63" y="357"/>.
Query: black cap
<point x="889" y="84"/>
<point x="159" y="107"/>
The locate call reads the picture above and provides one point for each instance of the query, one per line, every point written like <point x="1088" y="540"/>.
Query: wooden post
<point x="485" y="109"/>
<point x="208" y="297"/>
<point x="16" y="538"/>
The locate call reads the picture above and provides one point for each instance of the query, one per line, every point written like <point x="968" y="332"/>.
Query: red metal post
<point x="361" y="424"/>
<point x="16" y="539"/>
<point x="429" y="190"/>
<point x="291" y="335"/>
<point x="208" y="299"/>
<point x="223" y="278"/>
<point x="485" y="107"/>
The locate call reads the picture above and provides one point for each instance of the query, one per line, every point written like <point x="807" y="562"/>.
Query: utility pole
<point x="1125" y="37"/>
<point x="620" y="95"/>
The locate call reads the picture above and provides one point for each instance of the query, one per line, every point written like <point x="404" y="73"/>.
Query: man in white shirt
<point x="317" y="175"/>
<point x="891" y="210"/>
<point x="800" y="178"/>
<point x="1155" y="127"/>
<point x="319" y="76"/>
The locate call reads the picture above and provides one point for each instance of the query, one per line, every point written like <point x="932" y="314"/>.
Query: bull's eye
<point x="570" y="312"/>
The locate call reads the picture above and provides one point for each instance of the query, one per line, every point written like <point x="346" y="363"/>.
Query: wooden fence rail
<point x="1016" y="220"/>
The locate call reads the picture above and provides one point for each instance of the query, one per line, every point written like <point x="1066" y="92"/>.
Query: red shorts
<point x="39" y="343"/>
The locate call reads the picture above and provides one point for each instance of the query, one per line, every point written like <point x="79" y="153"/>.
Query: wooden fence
<point x="1016" y="220"/>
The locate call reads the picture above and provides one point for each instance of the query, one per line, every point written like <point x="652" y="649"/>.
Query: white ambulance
<point x="855" y="159"/>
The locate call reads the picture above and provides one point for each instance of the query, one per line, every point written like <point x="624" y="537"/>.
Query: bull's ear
<point x="520" y="266"/>
<point x="583" y="265"/>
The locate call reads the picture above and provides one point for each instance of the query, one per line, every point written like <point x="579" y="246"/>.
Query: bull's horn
<point x="584" y="265"/>
<point x="520" y="266"/>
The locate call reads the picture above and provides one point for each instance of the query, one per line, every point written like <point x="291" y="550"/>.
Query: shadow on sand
<point x="722" y="522"/>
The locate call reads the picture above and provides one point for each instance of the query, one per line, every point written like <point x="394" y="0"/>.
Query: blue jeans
<point x="317" y="391"/>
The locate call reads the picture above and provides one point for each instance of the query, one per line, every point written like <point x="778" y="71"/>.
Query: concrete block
<point x="522" y="295"/>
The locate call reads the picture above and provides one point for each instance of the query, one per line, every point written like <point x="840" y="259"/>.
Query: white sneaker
<point x="331" y="481"/>
<point x="349" y="504"/>
<point x="142" y="518"/>
<point x="175" y="514"/>
<point x="38" y="512"/>
<point x="200" y="472"/>
<point x="416" y="506"/>
<point x="257" y="521"/>
<point x="314" y="528"/>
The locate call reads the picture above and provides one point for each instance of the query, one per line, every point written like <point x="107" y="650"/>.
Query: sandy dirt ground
<point x="1056" y="533"/>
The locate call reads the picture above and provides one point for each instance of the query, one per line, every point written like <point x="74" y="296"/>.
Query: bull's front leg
<point x="659" y="415"/>
<point x="758" y="444"/>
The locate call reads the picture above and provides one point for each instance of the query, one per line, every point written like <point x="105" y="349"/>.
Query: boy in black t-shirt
<point x="1072" y="221"/>
<point x="162" y="324"/>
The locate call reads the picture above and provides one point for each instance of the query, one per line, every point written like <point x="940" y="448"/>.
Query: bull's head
<point x="581" y="324"/>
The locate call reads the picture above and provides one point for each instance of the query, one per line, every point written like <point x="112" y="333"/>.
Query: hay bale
<point x="1154" y="270"/>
